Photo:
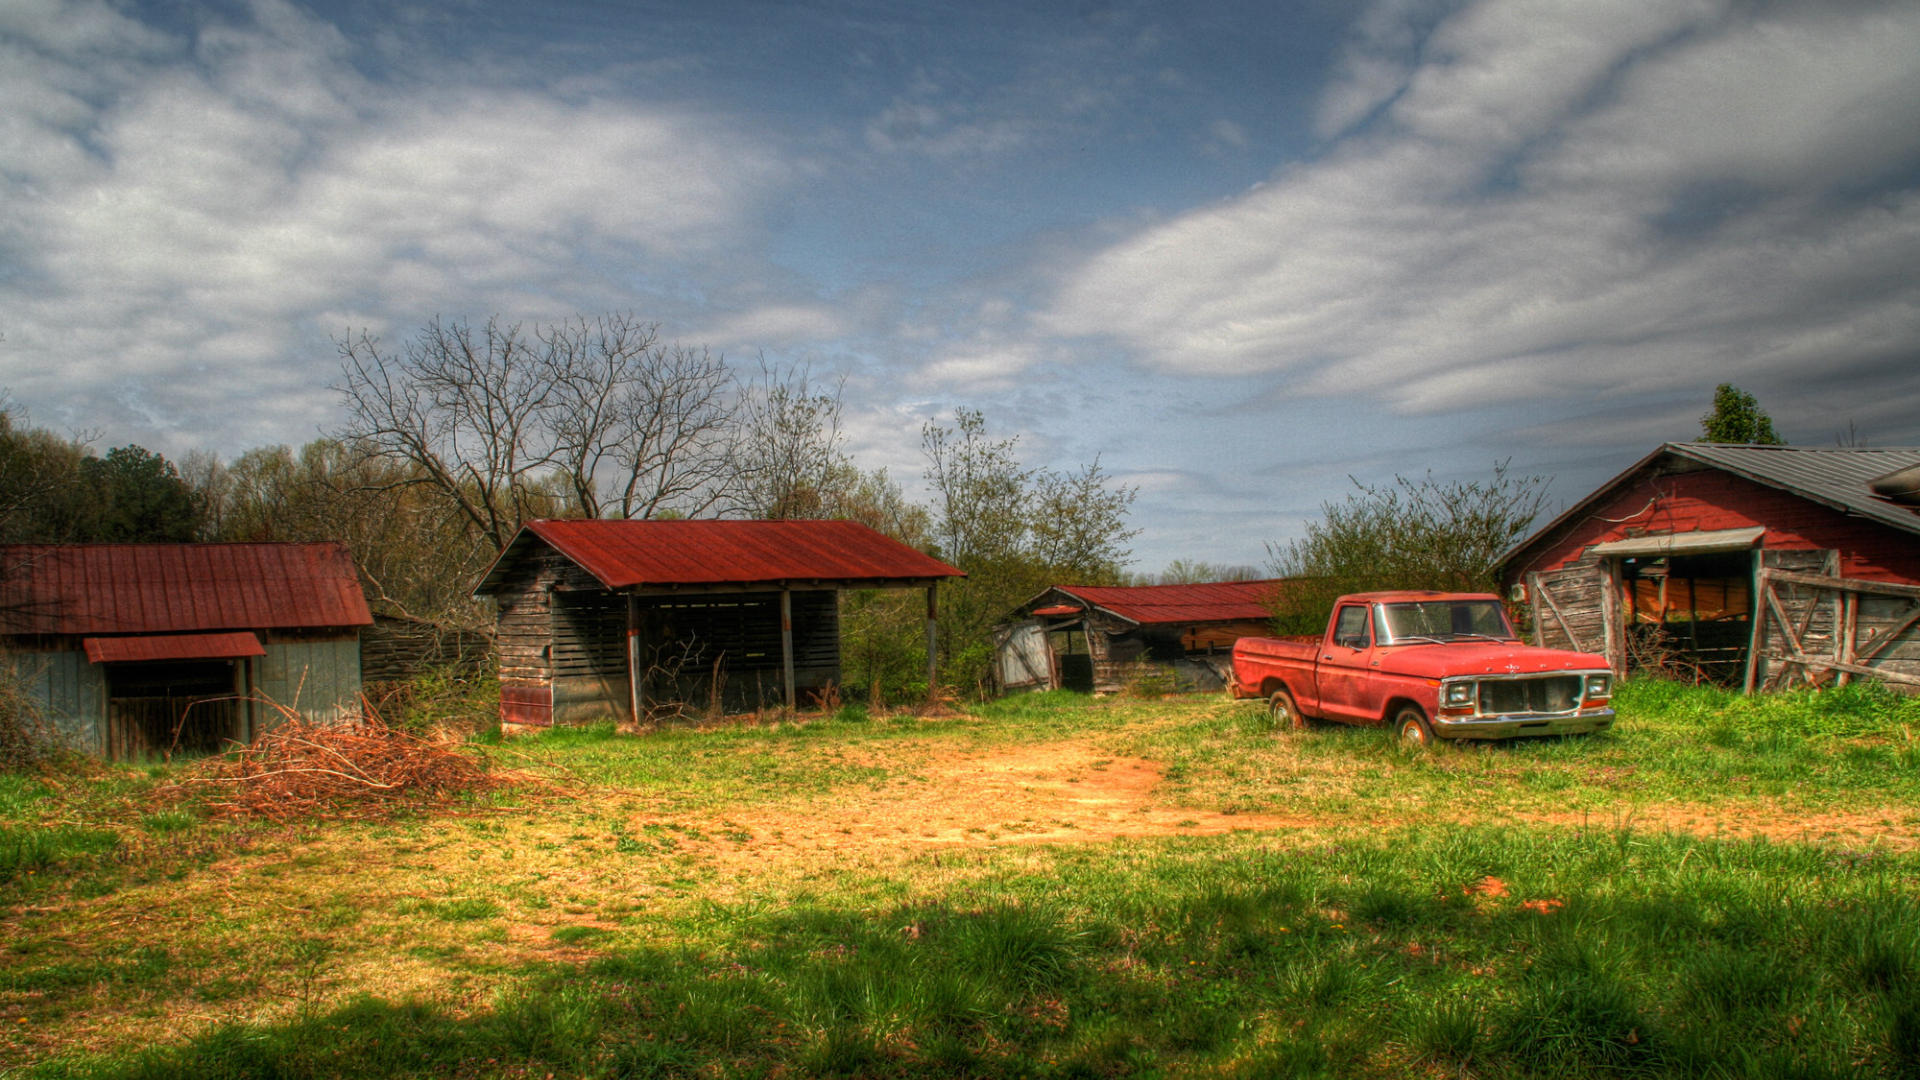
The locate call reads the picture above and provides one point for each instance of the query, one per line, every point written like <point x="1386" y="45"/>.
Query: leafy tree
<point x="1015" y="530"/>
<point x="1410" y="535"/>
<point x="1737" y="417"/>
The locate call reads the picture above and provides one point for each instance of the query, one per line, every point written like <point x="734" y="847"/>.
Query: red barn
<point x="1745" y="565"/>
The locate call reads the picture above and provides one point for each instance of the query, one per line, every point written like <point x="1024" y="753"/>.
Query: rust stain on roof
<point x="122" y="650"/>
<point x="177" y="588"/>
<point x="1161" y="605"/>
<point x="631" y="554"/>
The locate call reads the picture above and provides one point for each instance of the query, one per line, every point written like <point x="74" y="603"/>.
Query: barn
<point x="1096" y="638"/>
<point x="132" y="649"/>
<point x="611" y="620"/>
<point x="1750" y="566"/>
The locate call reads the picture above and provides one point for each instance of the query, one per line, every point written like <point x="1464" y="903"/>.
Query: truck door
<point x="1341" y="675"/>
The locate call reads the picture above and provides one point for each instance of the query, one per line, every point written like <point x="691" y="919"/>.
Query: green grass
<point x="1662" y="957"/>
<point x="1515" y="910"/>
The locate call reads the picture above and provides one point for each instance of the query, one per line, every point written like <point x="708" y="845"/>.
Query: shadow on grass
<point x="1596" y="955"/>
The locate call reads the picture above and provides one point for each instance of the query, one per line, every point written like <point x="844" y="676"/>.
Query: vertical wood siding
<point x="71" y="692"/>
<point x="319" y="678"/>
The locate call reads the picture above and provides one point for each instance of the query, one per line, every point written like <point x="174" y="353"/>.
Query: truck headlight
<point x="1599" y="686"/>
<point x="1460" y="693"/>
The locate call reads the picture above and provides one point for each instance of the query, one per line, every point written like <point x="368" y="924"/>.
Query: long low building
<point x="1093" y="638"/>
<point x="136" y="649"/>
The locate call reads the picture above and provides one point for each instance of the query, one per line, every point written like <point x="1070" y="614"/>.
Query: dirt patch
<point x="1883" y="827"/>
<point x="1066" y="792"/>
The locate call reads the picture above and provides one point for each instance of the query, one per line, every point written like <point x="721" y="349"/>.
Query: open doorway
<point x="173" y="706"/>
<point x="1689" y="616"/>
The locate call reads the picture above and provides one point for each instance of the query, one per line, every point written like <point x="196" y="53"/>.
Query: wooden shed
<point x="616" y="619"/>
<point x="1095" y="638"/>
<point x="1753" y="566"/>
<point x="141" y="648"/>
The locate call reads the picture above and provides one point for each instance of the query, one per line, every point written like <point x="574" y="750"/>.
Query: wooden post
<point x="636" y="675"/>
<point x="247" y="721"/>
<point x="786" y="644"/>
<point x="933" y="655"/>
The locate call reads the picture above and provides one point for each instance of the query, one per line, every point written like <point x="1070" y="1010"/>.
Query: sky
<point x="1245" y="254"/>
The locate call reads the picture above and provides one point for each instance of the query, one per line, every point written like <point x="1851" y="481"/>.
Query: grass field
<point x="1046" y="887"/>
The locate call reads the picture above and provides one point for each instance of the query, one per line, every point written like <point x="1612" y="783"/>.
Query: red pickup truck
<point x="1432" y="664"/>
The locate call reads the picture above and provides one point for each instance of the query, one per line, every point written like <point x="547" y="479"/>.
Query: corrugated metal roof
<point x="177" y="588"/>
<point x="1837" y="476"/>
<point x="1161" y="605"/>
<point x="630" y="554"/>
<point x="1832" y="475"/>
<point x="125" y="650"/>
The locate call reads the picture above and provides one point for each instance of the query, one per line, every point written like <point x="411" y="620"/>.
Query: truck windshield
<point x="1445" y="620"/>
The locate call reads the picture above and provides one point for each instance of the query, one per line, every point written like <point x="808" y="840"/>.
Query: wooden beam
<point x="636" y="684"/>
<point x="1889" y="637"/>
<point x="933" y="655"/>
<point x="1811" y="662"/>
<point x="1758" y="639"/>
<point x="1859" y="585"/>
<point x="786" y="647"/>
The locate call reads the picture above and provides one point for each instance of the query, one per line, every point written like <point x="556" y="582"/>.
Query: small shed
<point x="1094" y="638"/>
<point x="613" y="619"/>
<point x="143" y="648"/>
<point x="1753" y="566"/>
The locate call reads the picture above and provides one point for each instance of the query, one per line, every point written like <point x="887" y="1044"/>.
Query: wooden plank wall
<point x="684" y="637"/>
<point x="1570" y="609"/>
<point x="70" y="691"/>
<point x="395" y="650"/>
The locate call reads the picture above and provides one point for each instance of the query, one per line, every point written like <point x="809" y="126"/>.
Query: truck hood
<point x="1445" y="661"/>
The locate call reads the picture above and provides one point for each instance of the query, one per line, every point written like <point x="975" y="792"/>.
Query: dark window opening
<point x="1689" y="616"/>
<point x="178" y="707"/>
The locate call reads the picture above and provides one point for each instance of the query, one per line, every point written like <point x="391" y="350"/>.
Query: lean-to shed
<point x="1094" y="638"/>
<point x="1754" y="566"/>
<point x="138" y="648"/>
<point x="612" y="619"/>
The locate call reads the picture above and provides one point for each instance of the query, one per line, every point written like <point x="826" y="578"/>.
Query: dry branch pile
<point x="337" y="771"/>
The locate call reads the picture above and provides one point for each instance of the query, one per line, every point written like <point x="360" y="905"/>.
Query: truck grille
<point x="1546" y="694"/>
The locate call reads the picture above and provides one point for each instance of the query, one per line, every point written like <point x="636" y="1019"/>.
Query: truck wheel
<point x="1285" y="713"/>
<point x="1411" y="725"/>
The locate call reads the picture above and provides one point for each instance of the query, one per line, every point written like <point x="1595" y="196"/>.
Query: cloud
<point x="190" y="216"/>
<point x="1558" y="199"/>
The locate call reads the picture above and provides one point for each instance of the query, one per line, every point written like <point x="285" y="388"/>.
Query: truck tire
<point x="1285" y="713"/>
<point x="1410" y="725"/>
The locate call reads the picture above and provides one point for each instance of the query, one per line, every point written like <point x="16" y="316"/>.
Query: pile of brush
<point x="362" y="769"/>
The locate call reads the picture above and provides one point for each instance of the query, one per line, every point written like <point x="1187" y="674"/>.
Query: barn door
<point x="1024" y="659"/>
<point x="1573" y="609"/>
<point x="1794" y="621"/>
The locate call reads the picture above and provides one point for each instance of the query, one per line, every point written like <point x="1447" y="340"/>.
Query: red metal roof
<point x="629" y="554"/>
<point x="177" y="588"/>
<point x="1160" y="605"/>
<point x="123" y="650"/>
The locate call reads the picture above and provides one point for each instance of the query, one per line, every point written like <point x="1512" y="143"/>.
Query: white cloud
<point x="776" y="324"/>
<point x="1562" y="198"/>
<point x="186" y="215"/>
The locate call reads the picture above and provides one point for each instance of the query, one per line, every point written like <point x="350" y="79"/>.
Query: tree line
<point x="463" y="432"/>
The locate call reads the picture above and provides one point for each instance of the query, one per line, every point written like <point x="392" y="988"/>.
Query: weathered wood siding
<point x="317" y="676"/>
<point x="395" y="649"/>
<point x="71" y="693"/>
<point x="1571" y="608"/>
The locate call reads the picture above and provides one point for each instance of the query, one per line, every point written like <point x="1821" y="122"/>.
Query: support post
<point x="933" y="653"/>
<point x="636" y="686"/>
<point x="786" y="645"/>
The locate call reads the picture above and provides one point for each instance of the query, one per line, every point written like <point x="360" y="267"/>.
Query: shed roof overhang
<point x="680" y="557"/>
<point x="1690" y="543"/>
<point x="134" y="650"/>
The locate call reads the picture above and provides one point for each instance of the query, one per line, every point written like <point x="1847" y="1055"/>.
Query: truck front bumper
<point x="1514" y="726"/>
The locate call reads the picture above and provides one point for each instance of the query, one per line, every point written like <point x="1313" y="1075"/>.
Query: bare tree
<point x="469" y="412"/>
<point x="638" y="427"/>
<point x="790" y="458"/>
<point x="590" y="416"/>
